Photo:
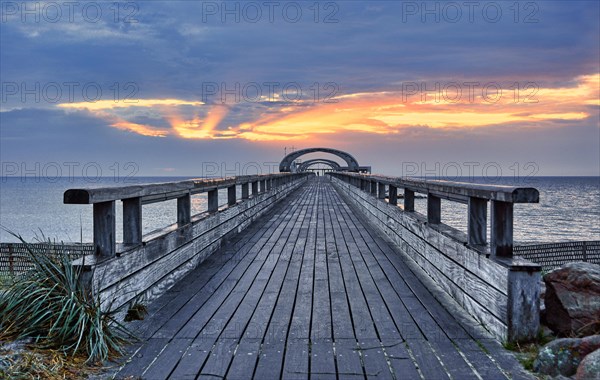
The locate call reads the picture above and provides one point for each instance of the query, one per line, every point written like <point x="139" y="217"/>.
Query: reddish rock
<point x="589" y="369"/>
<point x="572" y="299"/>
<point x="563" y="356"/>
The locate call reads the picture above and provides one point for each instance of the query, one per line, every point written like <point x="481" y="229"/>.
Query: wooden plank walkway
<point x="310" y="290"/>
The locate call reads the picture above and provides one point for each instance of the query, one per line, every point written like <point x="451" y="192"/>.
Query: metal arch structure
<point x="306" y="164"/>
<point x="287" y="164"/>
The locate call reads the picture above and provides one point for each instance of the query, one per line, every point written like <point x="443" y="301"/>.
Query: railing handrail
<point x="458" y="191"/>
<point x="104" y="199"/>
<point x="159" y="192"/>
<point x="476" y="196"/>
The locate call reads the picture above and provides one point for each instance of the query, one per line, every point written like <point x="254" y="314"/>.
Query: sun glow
<point x="382" y="113"/>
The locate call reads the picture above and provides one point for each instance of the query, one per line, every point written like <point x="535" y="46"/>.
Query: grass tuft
<point x="51" y="306"/>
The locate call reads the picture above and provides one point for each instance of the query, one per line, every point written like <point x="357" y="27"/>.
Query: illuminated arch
<point x="286" y="164"/>
<point x="308" y="163"/>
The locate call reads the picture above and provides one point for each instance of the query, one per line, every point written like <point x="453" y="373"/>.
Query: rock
<point x="589" y="369"/>
<point x="563" y="356"/>
<point x="572" y="299"/>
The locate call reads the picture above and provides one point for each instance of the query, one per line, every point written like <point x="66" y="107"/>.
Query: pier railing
<point x="499" y="290"/>
<point x="135" y="196"/>
<point x="476" y="196"/>
<point x="144" y="266"/>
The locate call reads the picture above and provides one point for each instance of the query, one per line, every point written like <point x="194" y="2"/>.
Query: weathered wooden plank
<point x="105" y="229"/>
<point x="409" y="200"/>
<point x="143" y="357"/>
<point x="166" y="361"/>
<point x="219" y="359"/>
<point x="184" y="209"/>
<point x="348" y="360"/>
<point x="393" y="195"/>
<point x="270" y="361"/>
<point x="322" y="360"/>
<point x="132" y="221"/>
<point x="501" y="241"/>
<point x="380" y="190"/>
<point x="429" y="364"/>
<point x="193" y="359"/>
<point x="245" y="191"/>
<point x="296" y="360"/>
<point x="434" y="209"/>
<point x="400" y="360"/>
<point x="477" y="221"/>
<point x="373" y="356"/>
<point x="244" y="361"/>
<point x="213" y="201"/>
<point x="231" y="195"/>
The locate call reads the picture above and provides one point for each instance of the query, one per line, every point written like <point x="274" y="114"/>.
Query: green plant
<point x="51" y="305"/>
<point x="526" y="352"/>
<point x="5" y="280"/>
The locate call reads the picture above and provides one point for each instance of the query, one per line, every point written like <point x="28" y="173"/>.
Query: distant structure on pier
<point x="291" y="164"/>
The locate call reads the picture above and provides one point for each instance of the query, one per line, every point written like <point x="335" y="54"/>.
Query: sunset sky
<point x="174" y="87"/>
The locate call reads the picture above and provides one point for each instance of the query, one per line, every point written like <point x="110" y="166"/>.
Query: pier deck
<point x="310" y="290"/>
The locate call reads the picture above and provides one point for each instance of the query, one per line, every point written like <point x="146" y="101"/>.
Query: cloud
<point x="170" y="53"/>
<point x="376" y="113"/>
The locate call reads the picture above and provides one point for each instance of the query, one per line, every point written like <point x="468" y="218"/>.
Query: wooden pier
<point x="311" y="290"/>
<point x="296" y="276"/>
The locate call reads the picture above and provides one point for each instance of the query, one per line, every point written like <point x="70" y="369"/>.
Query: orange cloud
<point x="197" y="128"/>
<point x="140" y="129"/>
<point x="373" y="113"/>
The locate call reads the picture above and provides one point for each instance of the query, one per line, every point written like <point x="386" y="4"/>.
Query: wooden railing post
<point x="245" y="191"/>
<point x="213" y="200"/>
<point x="381" y="190"/>
<point x="434" y="209"/>
<point x="409" y="200"/>
<point x="184" y="209"/>
<point x="132" y="220"/>
<point x="105" y="229"/>
<point x="502" y="229"/>
<point x="477" y="223"/>
<point x="231" y="195"/>
<point x="393" y="195"/>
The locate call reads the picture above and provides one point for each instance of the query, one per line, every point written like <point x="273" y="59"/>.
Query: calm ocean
<point x="569" y="209"/>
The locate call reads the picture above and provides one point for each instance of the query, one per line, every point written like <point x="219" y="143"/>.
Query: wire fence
<point x="554" y="255"/>
<point x="14" y="258"/>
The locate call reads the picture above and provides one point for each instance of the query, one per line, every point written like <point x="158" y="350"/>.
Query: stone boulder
<point x="589" y="369"/>
<point x="572" y="299"/>
<point x="563" y="356"/>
